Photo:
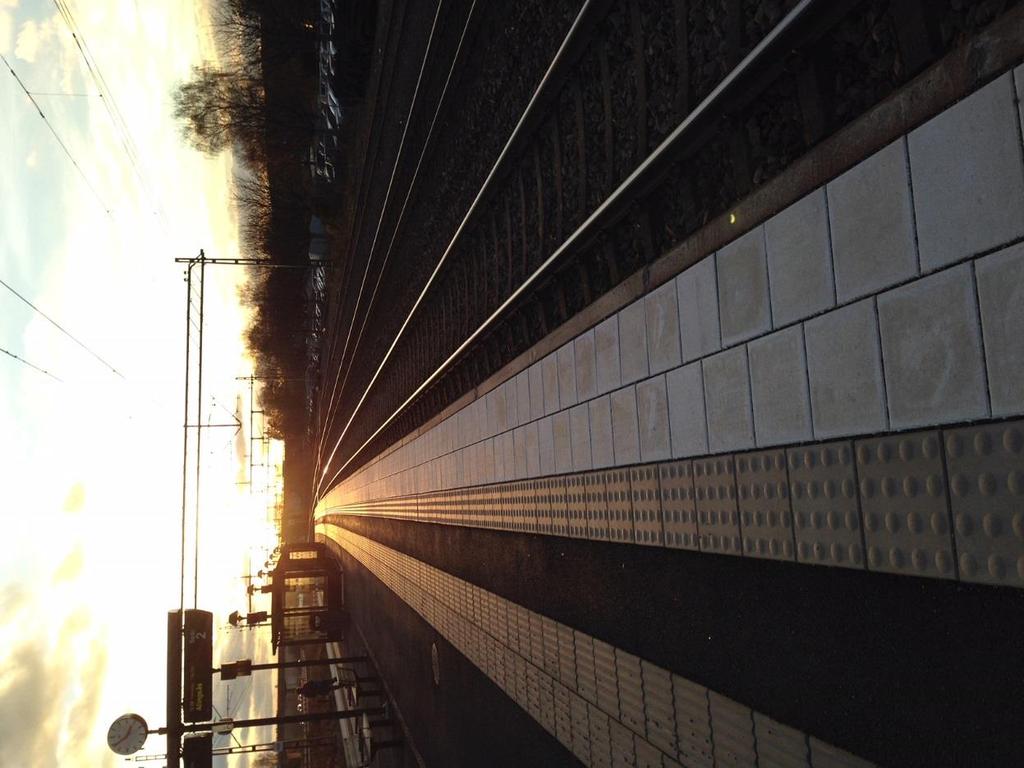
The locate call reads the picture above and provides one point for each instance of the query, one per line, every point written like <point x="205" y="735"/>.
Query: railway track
<point x="650" y="121"/>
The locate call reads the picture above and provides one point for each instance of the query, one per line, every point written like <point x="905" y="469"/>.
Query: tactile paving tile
<point x="521" y="690"/>
<point x="536" y="630"/>
<point x="693" y="723"/>
<point x="826" y="513"/>
<point x="620" y="512"/>
<point x="543" y="506"/>
<point x="733" y="730"/>
<point x="607" y="683"/>
<point x="600" y="738"/>
<point x="646" y="498"/>
<point x="550" y="630"/>
<point x="986" y="481"/>
<point x="824" y="755"/>
<point x="678" y="504"/>
<point x="623" y="745"/>
<point x="631" y="692"/>
<point x="779" y="745"/>
<point x="558" y="496"/>
<point x="765" y="515"/>
<point x="577" y="506"/>
<point x="563" y="715"/>
<point x="903" y="499"/>
<point x="647" y="755"/>
<point x="533" y="691"/>
<point x="566" y="657"/>
<point x="597" y="506"/>
<point x="714" y="484"/>
<point x="659" y="709"/>
<point x="547" y="702"/>
<point x="580" y="728"/>
<point x="586" y="673"/>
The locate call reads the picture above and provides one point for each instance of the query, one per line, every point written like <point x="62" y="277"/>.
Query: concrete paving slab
<point x="1001" y="298"/>
<point x="688" y="425"/>
<point x="601" y="440"/>
<point x="968" y="176"/>
<point x="652" y="411"/>
<point x="743" y="301"/>
<point x="586" y="365"/>
<point x="778" y="379"/>
<point x="546" y="445"/>
<point x="845" y="370"/>
<point x="727" y="398"/>
<point x="633" y="342"/>
<point x="697" y="292"/>
<point x="931" y="348"/>
<point x="567" y="375"/>
<point x="662" y="308"/>
<point x="625" y="427"/>
<point x="799" y="252"/>
<point x="579" y="429"/>
<point x="563" y="442"/>
<point x="606" y="349"/>
<point x="872" y="224"/>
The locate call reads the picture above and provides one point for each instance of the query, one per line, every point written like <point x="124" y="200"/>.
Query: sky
<point x="90" y="460"/>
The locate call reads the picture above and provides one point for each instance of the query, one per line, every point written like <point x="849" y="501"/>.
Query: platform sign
<point x="198" y="651"/>
<point x="197" y="751"/>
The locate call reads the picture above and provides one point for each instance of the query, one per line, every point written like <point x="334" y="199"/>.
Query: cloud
<point x="71" y="567"/>
<point x="29" y="40"/>
<point x="8" y="3"/>
<point x="33" y="159"/>
<point x="44" y="699"/>
<point x="75" y="500"/>
<point x="6" y="30"/>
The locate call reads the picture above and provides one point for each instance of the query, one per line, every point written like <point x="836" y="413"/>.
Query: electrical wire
<point x="109" y="104"/>
<point x="30" y="365"/>
<point x="63" y="146"/>
<point x="61" y="328"/>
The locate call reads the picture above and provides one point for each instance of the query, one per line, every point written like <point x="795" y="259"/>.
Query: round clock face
<point x="127" y="734"/>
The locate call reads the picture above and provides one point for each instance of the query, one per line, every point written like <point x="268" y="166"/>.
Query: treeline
<point x="260" y="102"/>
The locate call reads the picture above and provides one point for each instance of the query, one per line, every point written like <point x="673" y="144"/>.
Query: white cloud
<point x="30" y="38"/>
<point x="8" y="3"/>
<point x="6" y="30"/>
<point x="33" y="159"/>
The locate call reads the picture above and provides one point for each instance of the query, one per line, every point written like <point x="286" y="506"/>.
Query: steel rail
<point x="566" y="45"/>
<point x="383" y="211"/>
<point x="394" y="235"/>
<point x="612" y="206"/>
<point x="613" y="202"/>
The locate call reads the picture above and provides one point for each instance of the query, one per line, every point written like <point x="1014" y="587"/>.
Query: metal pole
<point x="199" y="418"/>
<point x="184" y="460"/>
<point x="311" y="717"/>
<point x="173" y="713"/>
<point x="306" y="663"/>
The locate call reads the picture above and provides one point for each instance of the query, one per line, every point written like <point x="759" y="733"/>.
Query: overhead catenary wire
<point x="60" y="141"/>
<point x="30" y="365"/>
<point x="61" y="328"/>
<point x="109" y="104"/>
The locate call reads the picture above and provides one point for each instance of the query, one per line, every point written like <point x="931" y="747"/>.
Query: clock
<point x="127" y="734"/>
